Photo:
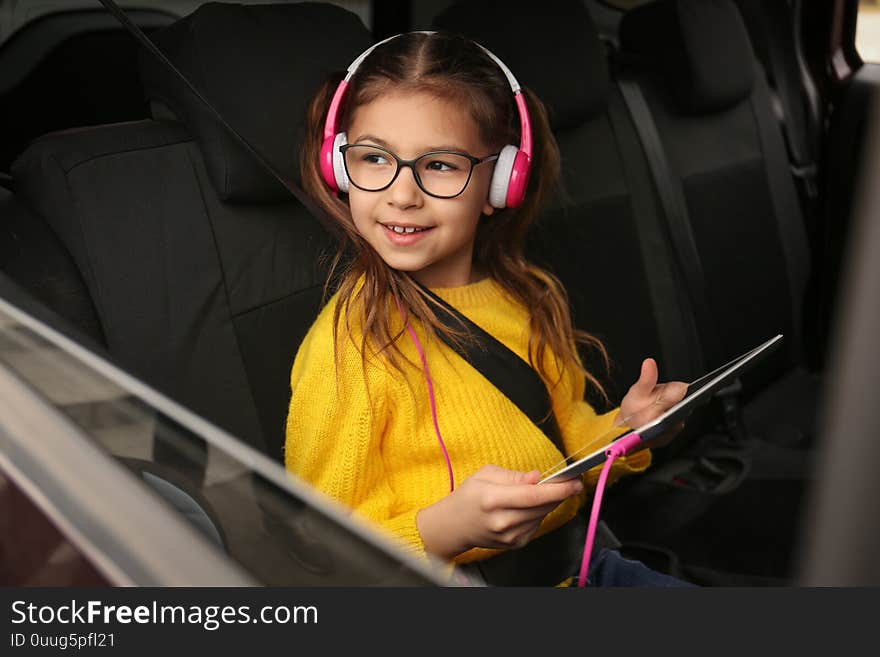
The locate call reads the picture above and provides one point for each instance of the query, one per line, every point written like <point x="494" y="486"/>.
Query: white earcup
<point x="338" y="163"/>
<point x="501" y="177"/>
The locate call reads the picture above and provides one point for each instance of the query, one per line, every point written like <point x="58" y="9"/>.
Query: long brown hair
<point x="453" y="68"/>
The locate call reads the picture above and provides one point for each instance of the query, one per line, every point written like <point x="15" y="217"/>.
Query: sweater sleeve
<point x="584" y="431"/>
<point x="337" y="415"/>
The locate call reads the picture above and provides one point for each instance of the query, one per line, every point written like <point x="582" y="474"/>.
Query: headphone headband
<point x="514" y="85"/>
<point x="330" y="127"/>
<point x="508" y="186"/>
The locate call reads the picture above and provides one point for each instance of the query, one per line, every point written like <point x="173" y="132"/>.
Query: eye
<point x="440" y="165"/>
<point x="374" y="158"/>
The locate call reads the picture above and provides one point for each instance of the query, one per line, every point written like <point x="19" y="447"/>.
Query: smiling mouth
<point x="406" y="230"/>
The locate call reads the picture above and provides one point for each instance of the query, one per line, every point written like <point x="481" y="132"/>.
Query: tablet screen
<point x="699" y="391"/>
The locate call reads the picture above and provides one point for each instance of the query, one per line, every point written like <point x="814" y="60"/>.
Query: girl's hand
<point x="493" y="508"/>
<point x="646" y="399"/>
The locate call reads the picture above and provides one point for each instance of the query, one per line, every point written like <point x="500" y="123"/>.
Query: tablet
<point x="698" y="392"/>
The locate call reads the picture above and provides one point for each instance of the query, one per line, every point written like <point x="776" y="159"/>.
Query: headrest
<point x="700" y="47"/>
<point x="259" y="66"/>
<point x="552" y="47"/>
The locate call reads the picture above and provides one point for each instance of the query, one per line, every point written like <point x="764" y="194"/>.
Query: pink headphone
<point x="511" y="175"/>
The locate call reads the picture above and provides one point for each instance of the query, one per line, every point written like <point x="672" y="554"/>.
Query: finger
<point x="532" y="477"/>
<point x="647" y="377"/>
<point x="541" y="511"/>
<point x="519" y="535"/>
<point x="664" y="397"/>
<point x="645" y="415"/>
<point x="514" y="537"/>
<point x="532" y="496"/>
<point x="673" y="392"/>
<point x="517" y="521"/>
<point x="532" y="513"/>
<point x="499" y="475"/>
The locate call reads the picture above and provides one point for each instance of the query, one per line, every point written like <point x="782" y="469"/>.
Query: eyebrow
<point x="385" y="144"/>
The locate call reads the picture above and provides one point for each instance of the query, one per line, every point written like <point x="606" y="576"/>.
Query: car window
<point x="281" y="531"/>
<point x="868" y="31"/>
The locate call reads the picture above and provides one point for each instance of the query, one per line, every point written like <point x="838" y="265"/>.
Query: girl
<point x="417" y="164"/>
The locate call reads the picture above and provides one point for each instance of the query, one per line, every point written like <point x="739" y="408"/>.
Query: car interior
<point x="709" y="163"/>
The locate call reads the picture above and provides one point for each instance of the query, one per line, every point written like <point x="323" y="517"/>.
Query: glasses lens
<point x="369" y="167"/>
<point x="443" y="174"/>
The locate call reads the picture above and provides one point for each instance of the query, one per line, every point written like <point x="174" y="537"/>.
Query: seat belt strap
<point x="675" y="322"/>
<point x="676" y="213"/>
<point x="314" y="209"/>
<point x="513" y="376"/>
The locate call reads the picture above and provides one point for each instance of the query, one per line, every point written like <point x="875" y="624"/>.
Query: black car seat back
<point x="610" y="244"/>
<point x="203" y="271"/>
<point x="599" y="234"/>
<point x="711" y="105"/>
<point x="713" y="110"/>
<point x="33" y="256"/>
<point x="609" y="240"/>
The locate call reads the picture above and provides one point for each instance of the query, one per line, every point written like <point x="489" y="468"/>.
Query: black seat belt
<point x="675" y="320"/>
<point x="678" y="221"/>
<point x="675" y="210"/>
<point x="300" y="195"/>
<point x="802" y="162"/>
<point x="504" y="369"/>
<point x="514" y="377"/>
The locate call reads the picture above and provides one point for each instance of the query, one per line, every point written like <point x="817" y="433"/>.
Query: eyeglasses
<point x="441" y="174"/>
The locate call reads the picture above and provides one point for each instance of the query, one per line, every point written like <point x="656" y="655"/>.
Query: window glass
<point x="34" y="552"/>
<point x="868" y="30"/>
<point x="280" y="530"/>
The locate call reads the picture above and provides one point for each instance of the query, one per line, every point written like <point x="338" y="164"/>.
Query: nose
<point x="404" y="192"/>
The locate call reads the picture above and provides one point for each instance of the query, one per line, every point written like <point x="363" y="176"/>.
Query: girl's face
<point x="409" y="125"/>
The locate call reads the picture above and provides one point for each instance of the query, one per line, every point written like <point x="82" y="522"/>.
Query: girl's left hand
<point x="646" y="399"/>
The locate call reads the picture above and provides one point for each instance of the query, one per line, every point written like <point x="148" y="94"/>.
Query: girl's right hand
<point x="493" y="508"/>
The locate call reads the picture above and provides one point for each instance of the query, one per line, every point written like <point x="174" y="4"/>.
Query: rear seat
<point x="625" y="283"/>
<point x="609" y="243"/>
<point x="203" y="272"/>
<point x="600" y="237"/>
<point x="242" y="288"/>
<point x="202" y="269"/>
<point x="32" y="255"/>
<point x="713" y="110"/>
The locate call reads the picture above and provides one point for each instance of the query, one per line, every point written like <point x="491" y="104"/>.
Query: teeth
<point x="410" y="230"/>
<point x="405" y="231"/>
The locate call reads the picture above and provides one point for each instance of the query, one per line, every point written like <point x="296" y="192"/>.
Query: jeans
<point x="609" y="568"/>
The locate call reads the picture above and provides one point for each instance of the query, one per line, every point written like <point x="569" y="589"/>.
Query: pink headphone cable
<point x="616" y="450"/>
<point x="421" y="351"/>
<point x="619" y="448"/>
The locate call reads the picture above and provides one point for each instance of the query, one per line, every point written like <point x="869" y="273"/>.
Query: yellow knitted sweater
<point x="363" y="437"/>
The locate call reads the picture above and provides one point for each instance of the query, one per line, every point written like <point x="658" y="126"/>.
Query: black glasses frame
<point x="475" y="161"/>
